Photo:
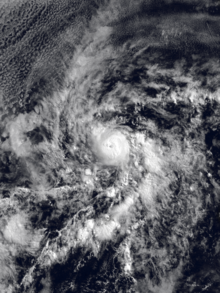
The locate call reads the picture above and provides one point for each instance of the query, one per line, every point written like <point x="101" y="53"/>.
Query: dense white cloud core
<point x="112" y="147"/>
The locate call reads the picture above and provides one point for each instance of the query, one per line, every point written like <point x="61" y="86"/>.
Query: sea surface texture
<point x="109" y="146"/>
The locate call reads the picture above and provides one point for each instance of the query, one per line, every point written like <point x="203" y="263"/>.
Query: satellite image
<point x="110" y="146"/>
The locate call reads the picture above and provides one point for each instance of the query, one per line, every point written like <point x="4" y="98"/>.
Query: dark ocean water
<point x="110" y="146"/>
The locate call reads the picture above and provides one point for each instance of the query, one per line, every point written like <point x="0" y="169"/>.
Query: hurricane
<point x="110" y="146"/>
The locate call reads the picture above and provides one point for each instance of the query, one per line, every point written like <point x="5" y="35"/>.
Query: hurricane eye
<point x="113" y="147"/>
<point x="35" y="136"/>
